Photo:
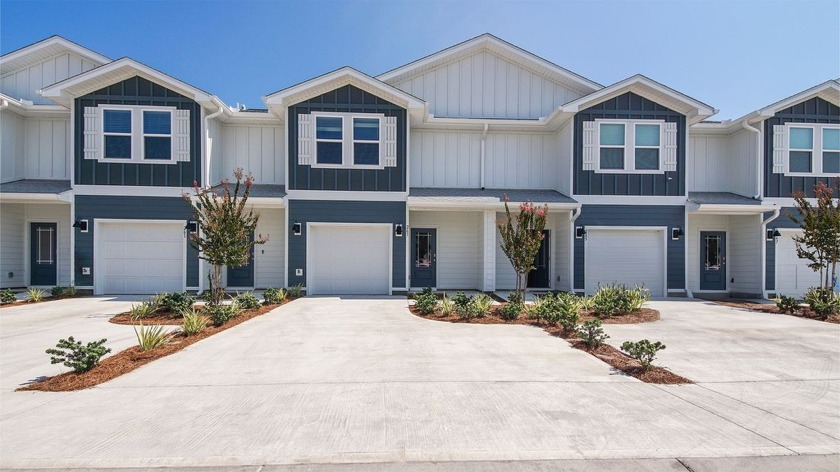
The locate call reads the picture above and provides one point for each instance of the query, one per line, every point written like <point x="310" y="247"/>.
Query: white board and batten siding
<point x="723" y="163"/>
<point x="459" y="254"/>
<point x="47" y="149"/>
<point x="25" y="83"/>
<point x="12" y="146"/>
<point x="256" y="149"/>
<point x="626" y="256"/>
<point x="484" y="85"/>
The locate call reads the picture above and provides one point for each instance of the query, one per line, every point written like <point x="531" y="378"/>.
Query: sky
<point x="737" y="55"/>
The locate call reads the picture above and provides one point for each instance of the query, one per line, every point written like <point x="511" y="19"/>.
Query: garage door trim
<point x="387" y="227"/>
<point x="98" y="223"/>
<point x="662" y="229"/>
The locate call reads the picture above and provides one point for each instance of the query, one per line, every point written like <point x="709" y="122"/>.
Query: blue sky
<point x="736" y="55"/>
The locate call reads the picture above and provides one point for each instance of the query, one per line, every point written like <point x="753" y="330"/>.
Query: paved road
<point x="330" y="380"/>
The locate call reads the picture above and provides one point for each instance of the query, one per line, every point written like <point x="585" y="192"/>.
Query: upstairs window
<point x="806" y="149"/>
<point x="329" y="143"/>
<point x="347" y="140"/>
<point x="157" y="134"/>
<point x="629" y="146"/>
<point x="613" y="142"/>
<point x="117" y="133"/>
<point x="136" y="134"/>
<point x="366" y="141"/>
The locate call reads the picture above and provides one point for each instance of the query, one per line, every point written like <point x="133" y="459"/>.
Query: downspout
<point x="573" y="216"/>
<point x="764" y="224"/>
<point x="757" y="132"/>
<point x="208" y="157"/>
<point x="483" y="138"/>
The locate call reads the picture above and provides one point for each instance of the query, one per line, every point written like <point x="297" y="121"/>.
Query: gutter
<point x="758" y="166"/>
<point x="4" y="104"/>
<point x="208" y="155"/>
<point x="572" y="218"/>
<point x="764" y="224"/>
<point x="483" y="139"/>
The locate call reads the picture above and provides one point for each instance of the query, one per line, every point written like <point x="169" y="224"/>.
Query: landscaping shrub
<point x="80" y="357"/>
<point x="35" y="294"/>
<point x="7" y="296"/>
<point x="150" y="337"/>
<point x="643" y="351"/>
<point x="615" y="299"/>
<point x="425" y="301"/>
<point x="143" y="310"/>
<point x="296" y="291"/>
<point x="592" y="333"/>
<point x="273" y="296"/>
<point x="248" y="301"/>
<point x="57" y="291"/>
<point x="220" y="314"/>
<point x="446" y="306"/>
<point x="546" y="309"/>
<point x="823" y="303"/>
<point x="786" y="304"/>
<point x="480" y="306"/>
<point x="176" y="302"/>
<point x="462" y="304"/>
<point x="569" y="306"/>
<point x="70" y="290"/>
<point x="194" y="323"/>
<point x="511" y="310"/>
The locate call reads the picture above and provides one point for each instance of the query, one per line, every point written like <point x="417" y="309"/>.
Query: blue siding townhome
<point x="381" y="184"/>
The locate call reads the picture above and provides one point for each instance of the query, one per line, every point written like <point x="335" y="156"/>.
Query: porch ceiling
<point x="726" y="203"/>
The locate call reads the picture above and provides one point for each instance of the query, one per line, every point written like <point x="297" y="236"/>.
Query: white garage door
<point x="349" y="260"/>
<point x="793" y="276"/>
<point x="628" y="257"/>
<point x="140" y="257"/>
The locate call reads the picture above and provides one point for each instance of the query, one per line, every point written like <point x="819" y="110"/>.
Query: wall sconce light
<point x="580" y="232"/>
<point x="192" y="226"/>
<point x="398" y="230"/>
<point x="296" y="229"/>
<point x="773" y="235"/>
<point x="81" y="224"/>
<point x="676" y="233"/>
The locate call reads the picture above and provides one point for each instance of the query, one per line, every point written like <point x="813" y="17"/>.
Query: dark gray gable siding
<point x="629" y="106"/>
<point x="138" y="91"/>
<point x="347" y="99"/>
<point x="815" y="110"/>
<point x="127" y="208"/>
<point x="323" y="211"/>
<point x="632" y="215"/>
<point x="784" y="222"/>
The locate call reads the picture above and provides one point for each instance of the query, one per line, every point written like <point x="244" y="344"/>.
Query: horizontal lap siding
<point x="12" y="252"/>
<point x="815" y="110"/>
<point x="347" y="99"/>
<point x="459" y="249"/>
<point x="626" y="107"/>
<point x="322" y="211"/>
<point x="631" y="215"/>
<point x="141" y="92"/>
<point x="782" y="222"/>
<point x="128" y="208"/>
<point x="59" y="214"/>
<point x="270" y="258"/>
<point x="744" y="254"/>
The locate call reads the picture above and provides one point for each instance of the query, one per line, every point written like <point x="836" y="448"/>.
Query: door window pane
<point x="647" y="158"/>
<point x="423" y="249"/>
<point x="612" y="158"/>
<point x="45" y="238"/>
<point x="647" y="135"/>
<point x="713" y="260"/>
<point x="612" y="134"/>
<point x="801" y="138"/>
<point x="800" y="161"/>
<point x="831" y="162"/>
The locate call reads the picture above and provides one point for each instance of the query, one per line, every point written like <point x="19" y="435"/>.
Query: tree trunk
<point x="216" y="291"/>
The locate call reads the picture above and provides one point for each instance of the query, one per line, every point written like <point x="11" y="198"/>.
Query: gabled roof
<point x="828" y="91"/>
<point x="125" y="68"/>
<point x="282" y="99"/>
<point x="495" y="45"/>
<point x="695" y="110"/>
<point x="45" y="49"/>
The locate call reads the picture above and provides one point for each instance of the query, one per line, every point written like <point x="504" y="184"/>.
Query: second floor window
<point x="117" y="133"/>
<point x="633" y="146"/>
<point x="347" y="140"/>
<point x="807" y="149"/>
<point x="136" y="134"/>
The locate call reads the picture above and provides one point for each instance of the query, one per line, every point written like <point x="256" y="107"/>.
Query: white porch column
<point x="488" y="283"/>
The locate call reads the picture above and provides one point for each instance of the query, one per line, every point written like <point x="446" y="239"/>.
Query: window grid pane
<point x="801" y="138"/>
<point x="647" y="159"/>
<point x="329" y="153"/>
<point x="366" y="129"/>
<point x="366" y="154"/>
<point x="158" y="147"/>
<point x="831" y="139"/>
<point x="647" y="135"/>
<point x="612" y="134"/>
<point x="117" y="121"/>
<point x="328" y="127"/>
<point x="831" y="162"/>
<point x="118" y="147"/>
<point x="157" y="122"/>
<point x="800" y="161"/>
<point x="612" y="158"/>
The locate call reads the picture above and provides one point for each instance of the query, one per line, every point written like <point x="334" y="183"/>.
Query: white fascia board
<point x="51" y="42"/>
<point x="629" y="200"/>
<point x="723" y="209"/>
<point x="267" y="202"/>
<point x="829" y="90"/>
<point x="343" y="195"/>
<point x="62" y="198"/>
<point x="132" y="190"/>
<point x="476" y="203"/>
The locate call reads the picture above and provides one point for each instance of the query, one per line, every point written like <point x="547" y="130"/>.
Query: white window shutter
<point x="389" y="141"/>
<point x="590" y="145"/>
<point x="670" y="148"/>
<point x="780" y="149"/>
<point x="306" y="143"/>
<point x="181" y="136"/>
<point x="93" y="133"/>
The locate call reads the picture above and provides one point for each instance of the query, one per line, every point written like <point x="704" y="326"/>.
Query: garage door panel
<point x="793" y="276"/>
<point x="349" y="260"/>
<point x="628" y="257"/>
<point x="141" y="258"/>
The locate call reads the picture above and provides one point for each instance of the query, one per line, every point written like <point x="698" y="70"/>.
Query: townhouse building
<point x="382" y="184"/>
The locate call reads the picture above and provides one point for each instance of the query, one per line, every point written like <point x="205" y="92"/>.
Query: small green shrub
<point x="615" y="299"/>
<point x="296" y="291"/>
<point x="546" y="309"/>
<point x="57" y="291"/>
<point x="248" y="301"/>
<point x="274" y="296"/>
<point x="462" y="304"/>
<point x="79" y="357"/>
<point x="516" y="297"/>
<point x="35" y="294"/>
<point x="150" y="337"/>
<point x="445" y="306"/>
<point x="143" y="310"/>
<point x="592" y="333"/>
<point x="7" y="296"/>
<point x="175" y="302"/>
<point x="822" y="302"/>
<point x="786" y="304"/>
<point x="511" y="310"/>
<point x="643" y="351"/>
<point x="194" y="323"/>
<point x="481" y="305"/>
<point x="221" y="314"/>
<point x="70" y="290"/>
<point x="569" y="306"/>
<point x="425" y="301"/>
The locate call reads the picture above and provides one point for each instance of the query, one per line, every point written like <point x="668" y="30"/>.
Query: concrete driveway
<point x="331" y="380"/>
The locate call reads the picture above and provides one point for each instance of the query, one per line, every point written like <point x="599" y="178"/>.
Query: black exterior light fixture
<point x="676" y="233"/>
<point x="580" y="232"/>
<point x="81" y="224"/>
<point x="296" y="229"/>
<point x="192" y="226"/>
<point x="398" y="230"/>
<point x="773" y="235"/>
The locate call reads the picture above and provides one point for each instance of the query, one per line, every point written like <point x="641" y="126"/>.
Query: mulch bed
<point x="48" y="298"/>
<point x="606" y="353"/>
<point x="158" y="318"/>
<point x="132" y="358"/>
<point x="803" y="312"/>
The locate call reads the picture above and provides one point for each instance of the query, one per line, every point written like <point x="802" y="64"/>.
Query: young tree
<point x="521" y="239"/>
<point x="819" y="243"/>
<point x="225" y="228"/>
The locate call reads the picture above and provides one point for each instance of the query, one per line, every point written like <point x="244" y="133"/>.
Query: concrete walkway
<point x="331" y="380"/>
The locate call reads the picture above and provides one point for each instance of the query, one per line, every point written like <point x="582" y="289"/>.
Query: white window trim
<point x="630" y="147"/>
<point x="348" y="141"/>
<point x="816" y="149"/>
<point x="138" y="143"/>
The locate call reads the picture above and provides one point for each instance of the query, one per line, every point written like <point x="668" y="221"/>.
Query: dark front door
<point x="539" y="277"/>
<point x="242" y="276"/>
<point x="712" y="260"/>
<point x="42" y="248"/>
<point x="423" y="257"/>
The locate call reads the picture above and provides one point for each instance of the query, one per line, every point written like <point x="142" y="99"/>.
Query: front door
<point x="539" y="277"/>
<point x="42" y="248"/>
<point x="712" y="260"/>
<point x="423" y="257"/>
<point x="242" y="276"/>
